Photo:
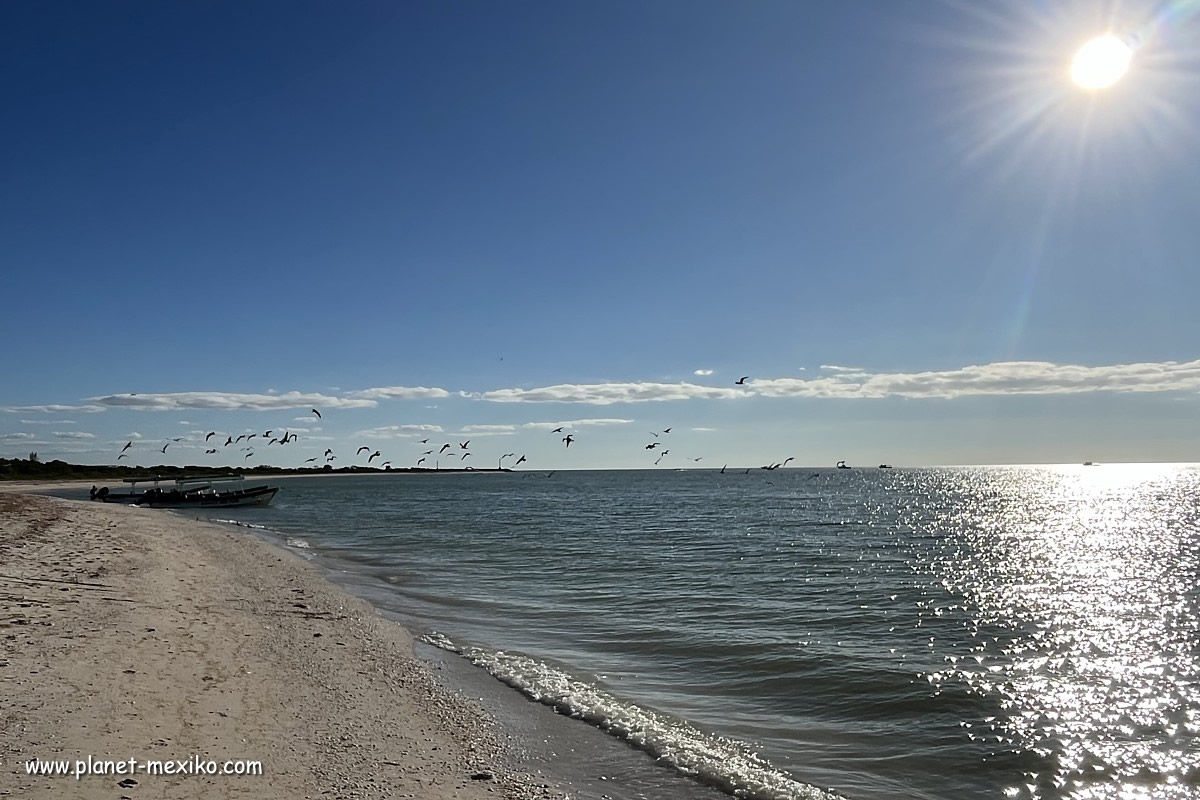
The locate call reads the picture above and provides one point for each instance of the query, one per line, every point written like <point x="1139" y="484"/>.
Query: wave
<point x="716" y="761"/>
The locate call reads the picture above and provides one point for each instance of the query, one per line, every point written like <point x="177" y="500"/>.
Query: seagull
<point x="423" y="441"/>
<point x="789" y="458"/>
<point x="464" y="456"/>
<point x="273" y="441"/>
<point x="723" y="469"/>
<point x="568" y="439"/>
<point x="666" y="430"/>
<point x="655" y="435"/>
<point x="652" y="445"/>
<point x="318" y="413"/>
<point x="128" y="445"/>
<point x="427" y="453"/>
<point x="228" y="442"/>
<point x="421" y="461"/>
<point x="557" y="430"/>
<point x="463" y="445"/>
<point x="697" y="459"/>
<point x="331" y="458"/>
<point x="243" y="436"/>
<point x="358" y="452"/>
<point x="247" y="456"/>
<point x="310" y="460"/>
<point x="210" y="435"/>
<point x="660" y="458"/>
<point x="742" y="380"/>
<point x="209" y="452"/>
<point x="374" y="455"/>
<point x="328" y="452"/>
<point x="251" y="436"/>
<point x="445" y="447"/>
<point x="519" y="461"/>
<point x="165" y="446"/>
<point x="267" y="435"/>
<point x="123" y="455"/>
<point x="385" y="465"/>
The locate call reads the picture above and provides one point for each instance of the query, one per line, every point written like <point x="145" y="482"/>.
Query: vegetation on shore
<point x="23" y="469"/>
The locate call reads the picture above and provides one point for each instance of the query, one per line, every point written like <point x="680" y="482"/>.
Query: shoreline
<point x="129" y="633"/>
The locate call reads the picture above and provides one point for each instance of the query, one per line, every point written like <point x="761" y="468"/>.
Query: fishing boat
<point x="202" y="491"/>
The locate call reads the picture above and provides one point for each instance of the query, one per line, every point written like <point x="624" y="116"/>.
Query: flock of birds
<point x="462" y="454"/>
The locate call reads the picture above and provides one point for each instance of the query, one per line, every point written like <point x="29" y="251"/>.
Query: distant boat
<point x="885" y="466"/>
<point x="842" y="465"/>
<point x="205" y="491"/>
<point x="1090" y="464"/>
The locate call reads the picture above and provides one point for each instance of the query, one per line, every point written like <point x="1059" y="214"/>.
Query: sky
<point x="902" y="221"/>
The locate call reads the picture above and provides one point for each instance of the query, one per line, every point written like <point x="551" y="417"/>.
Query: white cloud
<point x="51" y="409"/>
<point x="184" y="422"/>
<point x="73" y="435"/>
<point x="845" y="370"/>
<point x="48" y="422"/>
<point x="602" y="394"/>
<point x="400" y="393"/>
<point x="134" y="435"/>
<point x="575" y="423"/>
<point x="229" y="401"/>
<point x="703" y="372"/>
<point x="487" y="430"/>
<point x="398" y="431"/>
<point x="704" y="430"/>
<point x="999" y="378"/>
<point x="15" y="436"/>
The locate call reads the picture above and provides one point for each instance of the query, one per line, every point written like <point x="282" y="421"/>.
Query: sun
<point x="1101" y="62"/>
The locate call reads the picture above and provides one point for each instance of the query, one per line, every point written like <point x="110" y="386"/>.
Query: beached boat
<point x="203" y="491"/>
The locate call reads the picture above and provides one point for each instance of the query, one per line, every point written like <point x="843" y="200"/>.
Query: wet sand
<point x="133" y="633"/>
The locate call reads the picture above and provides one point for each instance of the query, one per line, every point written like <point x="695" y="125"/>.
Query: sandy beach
<point x="129" y="633"/>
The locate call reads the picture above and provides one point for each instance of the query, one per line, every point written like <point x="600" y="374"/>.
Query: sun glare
<point x="1101" y="62"/>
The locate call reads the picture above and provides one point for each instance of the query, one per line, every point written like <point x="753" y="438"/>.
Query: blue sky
<point x="452" y="215"/>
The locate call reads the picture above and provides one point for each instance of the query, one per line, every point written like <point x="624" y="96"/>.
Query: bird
<point x="228" y="442"/>
<point x="310" y="460"/>
<point x="723" y="469"/>
<point x="247" y="456"/>
<point x="423" y="441"/>
<point x="331" y="458"/>
<point x="165" y="446"/>
<point x="568" y="439"/>
<point x="463" y="445"/>
<point x="652" y="445"/>
<point x="698" y="459"/>
<point x="655" y="435"/>
<point x="789" y="458"/>
<point x="519" y="461"/>
<point x="666" y="430"/>
<point x="209" y="452"/>
<point x="251" y="436"/>
<point x="374" y="455"/>
<point x="318" y="413"/>
<point x="421" y="461"/>
<point x="385" y="465"/>
<point x="128" y="445"/>
<point x="660" y="458"/>
<point x="557" y="430"/>
<point x="664" y="452"/>
<point x="445" y="447"/>
<point x="464" y="456"/>
<point x="267" y="435"/>
<point x="328" y="452"/>
<point x="273" y="441"/>
<point x="742" y="380"/>
<point x="358" y="452"/>
<point x="123" y="455"/>
<point x="427" y="453"/>
<point x="210" y="435"/>
<point x="243" y="436"/>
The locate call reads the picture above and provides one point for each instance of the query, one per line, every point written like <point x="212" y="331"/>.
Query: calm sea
<point x="1025" y="632"/>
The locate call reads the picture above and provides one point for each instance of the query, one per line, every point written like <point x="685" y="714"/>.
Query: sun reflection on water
<point x="1082" y="583"/>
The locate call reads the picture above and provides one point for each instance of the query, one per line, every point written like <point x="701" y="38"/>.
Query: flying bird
<point x="519" y="461"/>
<point x="123" y="455"/>
<point x="247" y="456"/>
<point x="128" y="445"/>
<point x="310" y="460"/>
<point x="557" y="430"/>
<point x="251" y="436"/>
<point x="786" y="460"/>
<point x="723" y="469"/>
<point x="273" y="441"/>
<point x="243" y="436"/>
<point x="464" y="456"/>
<point x="421" y="461"/>
<point x="666" y="430"/>
<point x="228" y="442"/>
<point x="463" y="445"/>
<point x="328" y="452"/>
<point x="374" y="455"/>
<point x="210" y="435"/>
<point x="318" y="413"/>
<point x="742" y="380"/>
<point x="568" y="439"/>
<point x="165" y="446"/>
<point x="445" y="447"/>
<point x="209" y="452"/>
<point x="358" y="452"/>
<point x="427" y="453"/>
<point x="267" y="435"/>
<point x="423" y="441"/>
<point x="331" y="458"/>
<point x="698" y="459"/>
<point x="652" y="445"/>
<point x="655" y="435"/>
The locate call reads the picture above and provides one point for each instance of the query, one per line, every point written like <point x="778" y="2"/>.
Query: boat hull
<point x="258" y="496"/>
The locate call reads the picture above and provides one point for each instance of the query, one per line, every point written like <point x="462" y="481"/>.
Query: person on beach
<point x="92" y="493"/>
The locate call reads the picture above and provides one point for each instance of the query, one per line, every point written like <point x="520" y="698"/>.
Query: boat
<point x="885" y="466"/>
<point x="842" y="465"/>
<point x="202" y="491"/>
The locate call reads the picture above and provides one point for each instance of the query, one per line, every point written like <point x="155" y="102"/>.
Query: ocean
<point x="939" y="634"/>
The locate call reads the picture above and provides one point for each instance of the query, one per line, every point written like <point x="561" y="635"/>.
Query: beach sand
<point x="135" y="633"/>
